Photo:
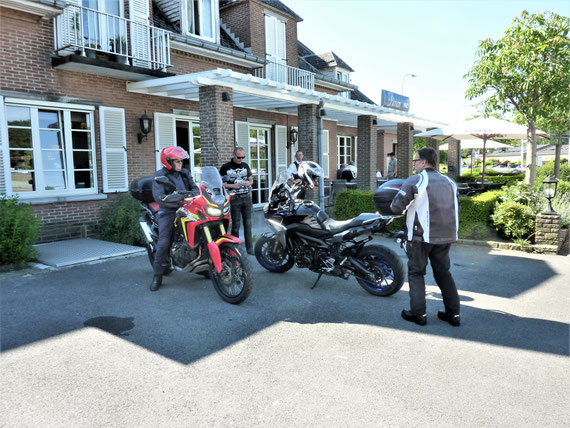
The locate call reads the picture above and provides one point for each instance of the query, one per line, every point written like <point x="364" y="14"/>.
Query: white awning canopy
<point x="264" y="94"/>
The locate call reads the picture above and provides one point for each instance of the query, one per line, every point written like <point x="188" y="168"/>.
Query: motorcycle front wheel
<point x="386" y="267"/>
<point x="272" y="256"/>
<point x="233" y="283"/>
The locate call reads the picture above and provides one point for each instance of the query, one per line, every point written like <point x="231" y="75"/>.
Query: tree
<point x="527" y="71"/>
<point x="557" y="123"/>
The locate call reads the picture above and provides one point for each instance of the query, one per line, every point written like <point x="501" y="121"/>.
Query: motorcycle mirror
<point x="165" y="181"/>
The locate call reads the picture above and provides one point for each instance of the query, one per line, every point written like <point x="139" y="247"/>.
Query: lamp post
<point x="549" y="185"/>
<point x="404" y="78"/>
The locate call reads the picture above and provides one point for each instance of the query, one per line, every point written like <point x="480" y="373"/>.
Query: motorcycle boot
<point x="156" y="282"/>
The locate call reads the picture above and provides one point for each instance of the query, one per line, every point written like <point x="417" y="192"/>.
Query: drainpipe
<point x="320" y="114"/>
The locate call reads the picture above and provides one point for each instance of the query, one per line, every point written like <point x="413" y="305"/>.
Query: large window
<point x="51" y="150"/>
<point x="259" y="156"/>
<point x="200" y="18"/>
<point x="345" y="151"/>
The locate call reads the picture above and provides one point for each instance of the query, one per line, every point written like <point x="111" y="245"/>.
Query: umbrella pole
<point x="483" y="169"/>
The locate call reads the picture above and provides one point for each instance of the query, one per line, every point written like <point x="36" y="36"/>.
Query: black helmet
<point x="309" y="172"/>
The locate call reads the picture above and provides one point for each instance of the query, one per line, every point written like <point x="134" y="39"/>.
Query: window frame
<point x="187" y="23"/>
<point x="64" y="111"/>
<point x="350" y="140"/>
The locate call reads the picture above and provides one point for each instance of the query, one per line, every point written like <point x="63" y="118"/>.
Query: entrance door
<point x="188" y="138"/>
<point x="260" y="163"/>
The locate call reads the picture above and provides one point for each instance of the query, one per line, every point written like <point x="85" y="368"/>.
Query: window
<point x="275" y="49"/>
<point x="51" y="150"/>
<point x="201" y="18"/>
<point x="343" y="77"/>
<point x="344" y="150"/>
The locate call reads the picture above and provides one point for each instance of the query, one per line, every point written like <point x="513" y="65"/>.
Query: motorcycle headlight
<point x="226" y="210"/>
<point x="213" y="211"/>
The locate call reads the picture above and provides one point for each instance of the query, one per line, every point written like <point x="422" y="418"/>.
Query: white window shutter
<point x="5" y="178"/>
<point x="280" y="148"/>
<point x="242" y="138"/>
<point x="355" y="151"/>
<point x="113" y="149"/>
<point x="325" y="145"/>
<point x="280" y="40"/>
<point x="140" y="36"/>
<point x="164" y="133"/>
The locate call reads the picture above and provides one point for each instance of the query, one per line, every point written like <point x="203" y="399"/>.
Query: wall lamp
<point x="226" y="96"/>
<point x="146" y="127"/>
<point x="374" y="122"/>
<point x="293" y="135"/>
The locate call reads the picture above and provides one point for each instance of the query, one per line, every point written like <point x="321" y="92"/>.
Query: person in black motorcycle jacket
<point x="171" y="159"/>
<point x="432" y="219"/>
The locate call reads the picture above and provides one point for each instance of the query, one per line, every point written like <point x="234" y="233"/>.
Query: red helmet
<point x="170" y="153"/>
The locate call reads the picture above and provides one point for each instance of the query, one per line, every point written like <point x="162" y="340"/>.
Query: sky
<point x="383" y="40"/>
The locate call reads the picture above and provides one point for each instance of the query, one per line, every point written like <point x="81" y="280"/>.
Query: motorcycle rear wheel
<point x="233" y="283"/>
<point x="272" y="256"/>
<point x="387" y="267"/>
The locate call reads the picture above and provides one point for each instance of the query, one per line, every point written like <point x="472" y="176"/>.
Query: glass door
<point x="259" y="158"/>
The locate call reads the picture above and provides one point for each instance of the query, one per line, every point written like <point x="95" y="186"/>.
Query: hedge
<point x="120" y="221"/>
<point x="350" y="203"/>
<point x="508" y="179"/>
<point x="475" y="215"/>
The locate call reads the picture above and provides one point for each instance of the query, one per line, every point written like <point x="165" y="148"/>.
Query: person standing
<point x="392" y="166"/>
<point x="171" y="159"/>
<point x="431" y="204"/>
<point x="340" y="170"/>
<point x="350" y="172"/>
<point x="237" y="178"/>
<point x="292" y="171"/>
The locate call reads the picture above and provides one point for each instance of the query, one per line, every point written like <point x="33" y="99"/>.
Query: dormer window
<point x="200" y="18"/>
<point x="343" y="77"/>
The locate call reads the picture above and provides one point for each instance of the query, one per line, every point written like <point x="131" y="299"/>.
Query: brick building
<point x="76" y="78"/>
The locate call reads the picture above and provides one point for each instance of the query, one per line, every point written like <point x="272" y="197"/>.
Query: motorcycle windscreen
<point x="209" y="177"/>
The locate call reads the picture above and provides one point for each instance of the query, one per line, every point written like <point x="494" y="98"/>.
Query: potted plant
<point x="119" y="46"/>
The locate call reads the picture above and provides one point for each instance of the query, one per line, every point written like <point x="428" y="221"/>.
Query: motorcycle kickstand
<point x="315" y="284"/>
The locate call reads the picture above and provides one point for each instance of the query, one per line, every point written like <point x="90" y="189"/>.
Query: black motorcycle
<point x="305" y="236"/>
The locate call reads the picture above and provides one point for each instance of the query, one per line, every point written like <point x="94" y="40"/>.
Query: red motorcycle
<point x="200" y="243"/>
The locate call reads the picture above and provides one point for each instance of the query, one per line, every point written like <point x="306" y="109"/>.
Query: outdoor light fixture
<point x="549" y="185"/>
<point x="146" y="126"/>
<point x="374" y="122"/>
<point x="226" y="96"/>
<point x="293" y="134"/>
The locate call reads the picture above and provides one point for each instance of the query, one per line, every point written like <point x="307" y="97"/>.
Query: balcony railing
<point x="283" y="73"/>
<point x="90" y="32"/>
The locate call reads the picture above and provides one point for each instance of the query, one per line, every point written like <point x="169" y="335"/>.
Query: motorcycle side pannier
<point x="141" y="189"/>
<point x="384" y="194"/>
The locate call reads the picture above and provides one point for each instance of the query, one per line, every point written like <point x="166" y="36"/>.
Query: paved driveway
<point x="91" y="346"/>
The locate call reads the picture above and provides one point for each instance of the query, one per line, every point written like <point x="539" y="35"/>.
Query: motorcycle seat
<point x="335" y="227"/>
<point x="154" y="206"/>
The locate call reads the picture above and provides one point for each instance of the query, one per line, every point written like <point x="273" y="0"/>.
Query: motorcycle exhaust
<point x="146" y="230"/>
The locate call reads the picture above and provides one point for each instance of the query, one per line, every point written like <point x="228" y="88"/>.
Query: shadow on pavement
<point x="186" y="320"/>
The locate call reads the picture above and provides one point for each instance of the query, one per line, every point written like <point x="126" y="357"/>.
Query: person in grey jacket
<point x="171" y="159"/>
<point x="430" y="202"/>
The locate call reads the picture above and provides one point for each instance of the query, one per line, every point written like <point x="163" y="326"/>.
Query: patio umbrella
<point x="481" y="128"/>
<point x="478" y="144"/>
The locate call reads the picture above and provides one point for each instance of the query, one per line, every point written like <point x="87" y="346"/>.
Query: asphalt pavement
<point x="90" y="345"/>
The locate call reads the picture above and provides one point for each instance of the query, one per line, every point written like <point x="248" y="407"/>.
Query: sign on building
<point x="395" y="101"/>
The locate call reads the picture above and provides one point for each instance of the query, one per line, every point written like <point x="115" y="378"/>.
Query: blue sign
<point x="395" y="101"/>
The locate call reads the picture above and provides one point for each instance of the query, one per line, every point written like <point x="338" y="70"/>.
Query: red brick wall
<point x="236" y="17"/>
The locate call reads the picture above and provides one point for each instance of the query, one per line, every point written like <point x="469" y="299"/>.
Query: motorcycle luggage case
<point x="385" y="193"/>
<point x="141" y="189"/>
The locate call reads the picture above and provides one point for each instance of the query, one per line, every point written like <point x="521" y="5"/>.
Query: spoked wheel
<point x="151" y="252"/>
<point x="387" y="268"/>
<point x="272" y="256"/>
<point x="233" y="283"/>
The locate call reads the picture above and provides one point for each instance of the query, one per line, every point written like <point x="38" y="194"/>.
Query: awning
<point x="265" y="94"/>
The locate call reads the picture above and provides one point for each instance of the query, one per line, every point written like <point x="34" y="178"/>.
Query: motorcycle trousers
<point x="242" y="207"/>
<point x="165" y="227"/>
<point x="438" y="255"/>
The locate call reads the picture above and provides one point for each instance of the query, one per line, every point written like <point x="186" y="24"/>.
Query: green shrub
<point x="514" y="220"/>
<point x="561" y="204"/>
<point x="19" y="229"/>
<point x="475" y="215"/>
<point x="491" y="177"/>
<point x="350" y="203"/>
<point x="119" y="221"/>
<point x="547" y="170"/>
<point x="523" y="194"/>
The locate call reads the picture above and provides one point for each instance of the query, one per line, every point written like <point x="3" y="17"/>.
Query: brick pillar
<point x="433" y="143"/>
<point x="307" y="139"/>
<point x="367" y="146"/>
<point x="453" y="158"/>
<point x="405" y="149"/>
<point x="216" y="125"/>
<point x="547" y="228"/>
